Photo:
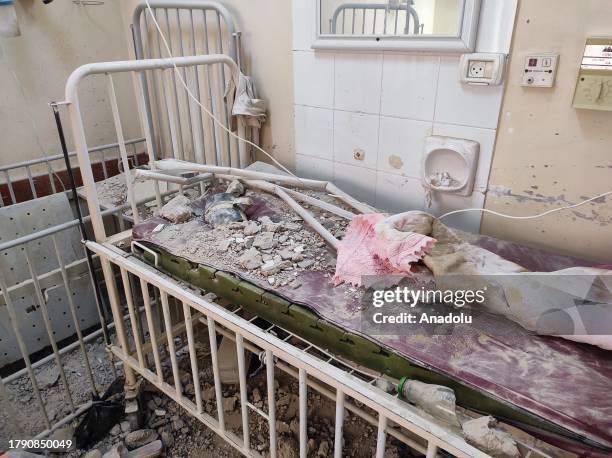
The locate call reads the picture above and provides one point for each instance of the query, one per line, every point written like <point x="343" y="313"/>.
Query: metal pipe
<point x="339" y="425"/>
<point x="57" y="157"/>
<point x="242" y="375"/>
<point x="381" y="436"/>
<point x="269" y="361"/>
<point x="212" y="335"/>
<point x="193" y="356"/>
<point x="152" y="331"/>
<point x="171" y="348"/>
<point x="303" y="391"/>
<point x="102" y="311"/>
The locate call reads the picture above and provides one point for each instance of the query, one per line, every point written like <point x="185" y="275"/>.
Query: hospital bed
<point x="494" y="367"/>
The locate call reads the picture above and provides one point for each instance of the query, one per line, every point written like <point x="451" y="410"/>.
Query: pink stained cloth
<point x="361" y="252"/>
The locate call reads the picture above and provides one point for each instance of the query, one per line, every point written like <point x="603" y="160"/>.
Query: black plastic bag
<point x="105" y="413"/>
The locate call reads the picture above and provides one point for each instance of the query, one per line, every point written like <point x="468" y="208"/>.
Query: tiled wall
<point x="385" y="105"/>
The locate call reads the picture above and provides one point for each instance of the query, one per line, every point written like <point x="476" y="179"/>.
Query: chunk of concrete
<point x="177" y="210"/>
<point x="236" y="188"/>
<point x="251" y="228"/>
<point x="264" y="241"/>
<point x="140" y="438"/>
<point x="251" y="259"/>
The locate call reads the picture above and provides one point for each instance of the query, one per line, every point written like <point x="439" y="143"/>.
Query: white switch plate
<point x="486" y="69"/>
<point x="540" y="70"/>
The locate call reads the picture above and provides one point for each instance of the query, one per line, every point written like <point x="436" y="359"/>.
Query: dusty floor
<point x="182" y="435"/>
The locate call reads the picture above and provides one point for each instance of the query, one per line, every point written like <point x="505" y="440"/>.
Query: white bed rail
<point x="192" y="27"/>
<point x="220" y="154"/>
<point x="143" y="354"/>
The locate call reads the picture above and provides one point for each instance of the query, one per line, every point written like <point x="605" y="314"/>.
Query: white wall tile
<point x="357" y="82"/>
<point x="457" y="103"/>
<point x="486" y="138"/>
<point x="304" y="12"/>
<point x="314" y="168"/>
<point x="313" y="75"/>
<point x="396" y="194"/>
<point x="467" y="221"/>
<point x="314" y="134"/>
<point x="401" y="144"/>
<point x="357" y="181"/>
<point x="409" y="85"/>
<point x="355" y="131"/>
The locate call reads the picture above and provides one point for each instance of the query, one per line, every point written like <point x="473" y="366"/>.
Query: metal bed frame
<point x="374" y="8"/>
<point x="142" y="352"/>
<point x="193" y="27"/>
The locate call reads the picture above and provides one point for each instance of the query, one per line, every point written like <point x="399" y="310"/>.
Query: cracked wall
<point x="549" y="154"/>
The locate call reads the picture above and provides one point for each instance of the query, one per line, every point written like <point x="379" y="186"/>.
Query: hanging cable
<point x="195" y="99"/>
<point x="539" y="215"/>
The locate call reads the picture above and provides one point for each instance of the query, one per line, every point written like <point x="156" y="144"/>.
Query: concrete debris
<point x="224" y="245"/>
<point x="95" y="453"/>
<point x="236" y="188"/>
<point x="229" y="404"/>
<point x="306" y="263"/>
<point x="251" y="259"/>
<point x="151" y="450"/>
<point x="117" y="451"/>
<point x="268" y="224"/>
<point x="265" y="241"/>
<point x="482" y="433"/>
<point x="178" y="210"/>
<point x="140" y="438"/>
<point x="289" y="226"/>
<point x="251" y="228"/>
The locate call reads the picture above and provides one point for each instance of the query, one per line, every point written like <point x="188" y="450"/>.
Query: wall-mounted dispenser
<point x="450" y="164"/>
<point x="594" y="85"/>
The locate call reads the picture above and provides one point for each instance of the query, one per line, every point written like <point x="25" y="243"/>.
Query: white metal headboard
<point x="192" y="27"/>
<point x="165" y="69"/>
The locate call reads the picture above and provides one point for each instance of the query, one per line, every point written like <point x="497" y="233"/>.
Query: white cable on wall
<point x="539" y="215"/>
<point x="195" y="99"/>
<point x="220" y="124"/>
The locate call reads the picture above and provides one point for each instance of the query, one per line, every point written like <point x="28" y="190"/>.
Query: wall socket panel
<point x="540" y="70"/>
<point x="484" y="69"/>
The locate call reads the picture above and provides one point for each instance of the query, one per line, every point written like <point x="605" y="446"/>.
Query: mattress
<point x="556" y="389"/>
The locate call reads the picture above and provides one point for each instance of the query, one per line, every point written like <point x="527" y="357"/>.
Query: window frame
<point x="463" y="42"/>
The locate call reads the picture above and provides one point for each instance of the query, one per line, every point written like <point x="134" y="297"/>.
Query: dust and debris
<point x="274" y="248"/>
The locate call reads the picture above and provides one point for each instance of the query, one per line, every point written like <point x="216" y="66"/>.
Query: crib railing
<point x="146" y="344"/>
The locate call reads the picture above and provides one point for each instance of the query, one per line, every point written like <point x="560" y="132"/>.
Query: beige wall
<point x="55" y="39"/>
<point x="549" y="154"/>
<point x="266" y="41"/>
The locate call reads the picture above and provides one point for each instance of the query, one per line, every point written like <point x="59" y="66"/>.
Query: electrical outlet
<point x="476" y="69"/>
<point x="483" y="69"/>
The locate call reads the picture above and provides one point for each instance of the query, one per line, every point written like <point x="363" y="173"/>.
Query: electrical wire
<point x="539" y="215"/>
<point x="195" y="99"/>
<point x="220" y="124"/>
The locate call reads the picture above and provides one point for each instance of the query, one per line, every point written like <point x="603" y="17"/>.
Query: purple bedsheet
<point x="568" y="383"/>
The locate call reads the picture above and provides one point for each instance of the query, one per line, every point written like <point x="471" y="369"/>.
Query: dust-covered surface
<point x="21" y="417"/>
<point x="183" y="436"/>
<point x="493" y="353"/>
